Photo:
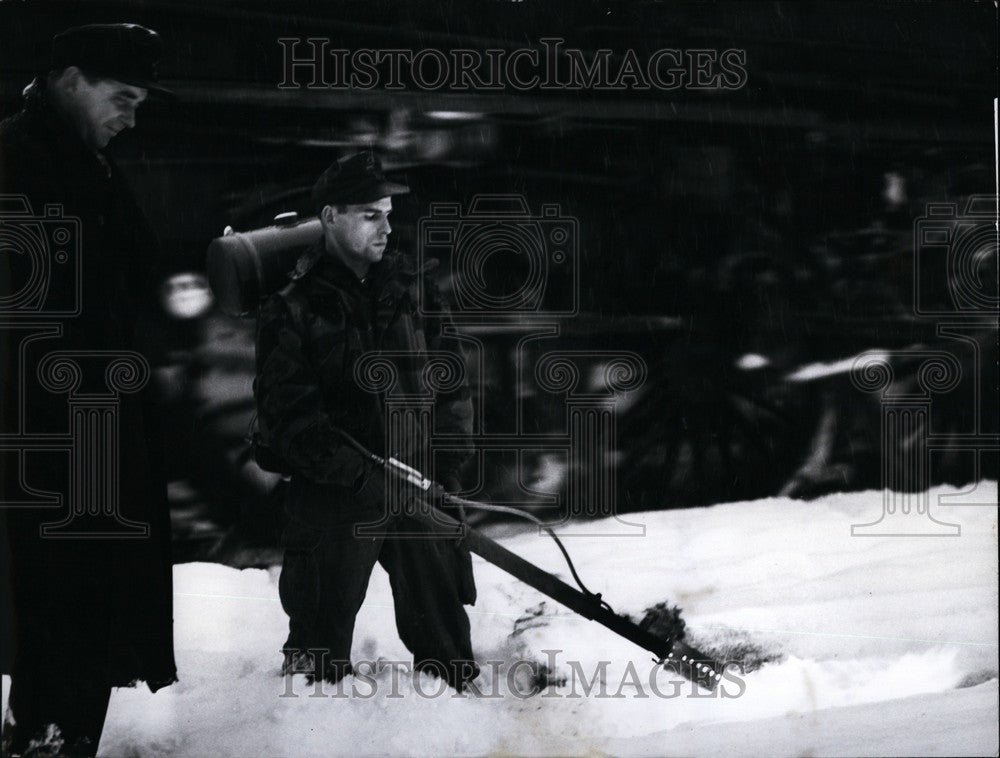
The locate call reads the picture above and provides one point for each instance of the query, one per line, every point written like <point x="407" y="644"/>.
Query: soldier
<point x="93" y="611"/>
<point x="348" y="297"/>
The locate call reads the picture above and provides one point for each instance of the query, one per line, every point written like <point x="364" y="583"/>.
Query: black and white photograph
<point x="499" y="377"/>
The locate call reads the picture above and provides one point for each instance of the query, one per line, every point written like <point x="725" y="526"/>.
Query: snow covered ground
<point x="883" y="646"/>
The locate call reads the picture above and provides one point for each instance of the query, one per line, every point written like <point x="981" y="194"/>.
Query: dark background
<point x="775" y="220"/>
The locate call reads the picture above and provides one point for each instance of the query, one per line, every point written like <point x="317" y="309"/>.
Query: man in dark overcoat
<point x="87" y="570"/>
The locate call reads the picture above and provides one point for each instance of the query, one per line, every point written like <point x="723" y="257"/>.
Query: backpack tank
<point x="246" y="267"/>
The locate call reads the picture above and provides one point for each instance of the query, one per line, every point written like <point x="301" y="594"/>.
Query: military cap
<point x="128" y="53"/>
<point x="353" y="180"/>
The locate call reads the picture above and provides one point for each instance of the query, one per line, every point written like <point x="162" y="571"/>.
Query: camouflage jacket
<point x="311" y="335"/>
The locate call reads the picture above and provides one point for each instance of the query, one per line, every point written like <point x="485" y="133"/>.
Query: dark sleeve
<point x="453" y="410"/>
<point x="292" y="413"/>
<point x="26" y="168"/>
<point x="147" y="264"/>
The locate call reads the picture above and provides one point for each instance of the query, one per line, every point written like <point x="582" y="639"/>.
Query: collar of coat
<point x="390" y="278"/>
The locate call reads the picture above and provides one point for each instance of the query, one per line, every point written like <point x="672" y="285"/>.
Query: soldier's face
<point x="360" y="232"/>
<point x="103" y="108"/>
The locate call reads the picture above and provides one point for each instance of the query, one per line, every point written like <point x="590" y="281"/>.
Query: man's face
<point x="102" y="108"/>
<point x="359" y="232"/>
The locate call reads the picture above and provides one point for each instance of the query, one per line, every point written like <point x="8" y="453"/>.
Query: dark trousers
<point x="77" y="707"/>
<point x="323" y="583"/>
<point x="61" y="624"/>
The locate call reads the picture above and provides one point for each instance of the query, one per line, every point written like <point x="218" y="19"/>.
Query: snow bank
<point x="879" y="646"/>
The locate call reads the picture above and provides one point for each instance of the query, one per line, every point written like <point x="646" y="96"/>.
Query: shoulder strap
<point x="259" y="447"/>
<point x="295" y="299"/>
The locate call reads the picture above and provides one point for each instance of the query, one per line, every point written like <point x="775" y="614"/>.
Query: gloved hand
<point x="450" y="482"/>
<point x="379" y="488"/>
<point x="461" y="557"/>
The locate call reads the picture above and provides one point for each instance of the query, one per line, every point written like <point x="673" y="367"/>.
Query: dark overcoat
<point x="94" y="598"/>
